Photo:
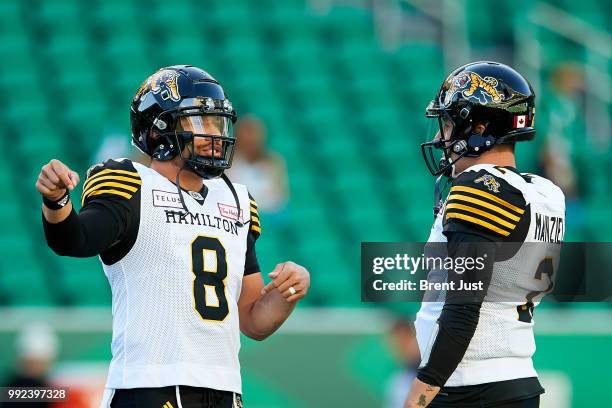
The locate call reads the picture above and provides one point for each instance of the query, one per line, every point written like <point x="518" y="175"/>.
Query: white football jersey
<point x="503" y="344"/>
<point x="175" y="292"/>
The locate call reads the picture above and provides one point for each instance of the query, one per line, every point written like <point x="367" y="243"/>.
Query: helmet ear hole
<point x="478" y="143"/>
<point x="165" y="148"/>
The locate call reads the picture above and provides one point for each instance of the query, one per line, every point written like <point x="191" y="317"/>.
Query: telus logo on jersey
<point x="166" y="199"/>
<point x="548" y="229"/>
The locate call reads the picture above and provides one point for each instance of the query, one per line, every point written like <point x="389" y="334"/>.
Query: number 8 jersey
<point x="175" y="277"/>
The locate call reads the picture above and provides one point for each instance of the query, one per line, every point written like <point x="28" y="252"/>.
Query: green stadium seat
<point x="57" y="11"/>
<point x="20" y="269"/>
<point x="114" y="14"/>
<point x="161" y="13"/>
<point x="219" y="17"/>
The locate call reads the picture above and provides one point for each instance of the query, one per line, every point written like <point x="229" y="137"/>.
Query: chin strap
<point x="438" y="189"/>
<point x="238" y="223"/>
<point x="178" y="187"/>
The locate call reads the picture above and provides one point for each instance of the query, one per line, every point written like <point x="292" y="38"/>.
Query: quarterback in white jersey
<point x="177" y="244"/>
<point x="476" y="336"/>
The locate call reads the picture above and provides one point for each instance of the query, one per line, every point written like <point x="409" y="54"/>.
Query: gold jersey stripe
<point x="133" y="189"/>
<point x="482" y="214"/>
<point x="107" y="171"/>
<point x="477" y="221"/>
<point x="488" y="196"/>
<point x="256" y="228"/>
<point x="109" y="191"/>
<point x="472" y="200"/>
<point x="253" y="203"/>
<point x="255" y="219"/>
<point x="111" y="177"/>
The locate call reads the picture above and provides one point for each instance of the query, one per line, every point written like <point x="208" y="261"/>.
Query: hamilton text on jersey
<point x="189" y="218"/>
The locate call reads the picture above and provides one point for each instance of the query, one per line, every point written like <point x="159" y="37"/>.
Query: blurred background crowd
<point x="331" y="95"/>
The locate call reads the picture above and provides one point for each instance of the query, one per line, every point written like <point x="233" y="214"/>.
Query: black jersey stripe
<point x="110" y="192"/>
<point x="127" y="190"/>
<point x="129" y="175"/>
<point x="484" y="215"/>
<point x="489" y="197"/>
<point x="129" y="186"/>
<point x="471" y="200"/>
<point x="477" y="221"/>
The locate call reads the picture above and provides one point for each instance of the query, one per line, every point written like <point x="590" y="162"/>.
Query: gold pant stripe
<point x="107" y="171"/>
<point x="482" y="214"/>
<point x="477" y="221"/>
<point x="488" y="196"/>
<point x="472" y="200"/>
<point x="133" y="189"/>
<point x="109" y="191"/>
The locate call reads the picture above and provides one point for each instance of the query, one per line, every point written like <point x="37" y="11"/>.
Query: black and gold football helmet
<point x="176" y="105"/>
<point x="478" y="92"/>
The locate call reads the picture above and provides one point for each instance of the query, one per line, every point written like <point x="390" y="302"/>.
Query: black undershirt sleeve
<point x="461" y="311"/>
<point x="251" y="265"/>
<point x="98" y="226"/>
<point x="108" y="222"/>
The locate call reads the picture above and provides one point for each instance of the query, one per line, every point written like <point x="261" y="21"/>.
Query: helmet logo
<point x="473" y="86"/>
<point x="489" y="181"/>
<point x="165" y="83"/>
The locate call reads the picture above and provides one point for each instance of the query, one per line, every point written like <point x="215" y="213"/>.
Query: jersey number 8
<point x="209" y="265"/>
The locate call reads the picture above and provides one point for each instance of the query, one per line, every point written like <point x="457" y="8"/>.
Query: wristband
<point x="57" y="204"/>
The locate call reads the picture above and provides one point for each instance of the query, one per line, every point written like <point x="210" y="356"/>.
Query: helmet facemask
<point x="445" y="139"/>
<point x="203" y="137"/>
<point x="460" y="138"/>
<point x="207" y="143"/>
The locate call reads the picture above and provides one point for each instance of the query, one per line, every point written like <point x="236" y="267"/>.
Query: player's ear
<point x="479" y="127"/>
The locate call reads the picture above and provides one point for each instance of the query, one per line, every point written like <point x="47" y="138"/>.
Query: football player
<point x="476" y="344"/>
<point x="177" y="244"/>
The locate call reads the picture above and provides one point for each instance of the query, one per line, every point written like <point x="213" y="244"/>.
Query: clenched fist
<point x="54" y="178"/>
<point x="291" y="280"/>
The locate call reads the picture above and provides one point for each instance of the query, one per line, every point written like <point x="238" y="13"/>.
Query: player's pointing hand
<point x="54" y="178"/>
<point x="291" y="280"/>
